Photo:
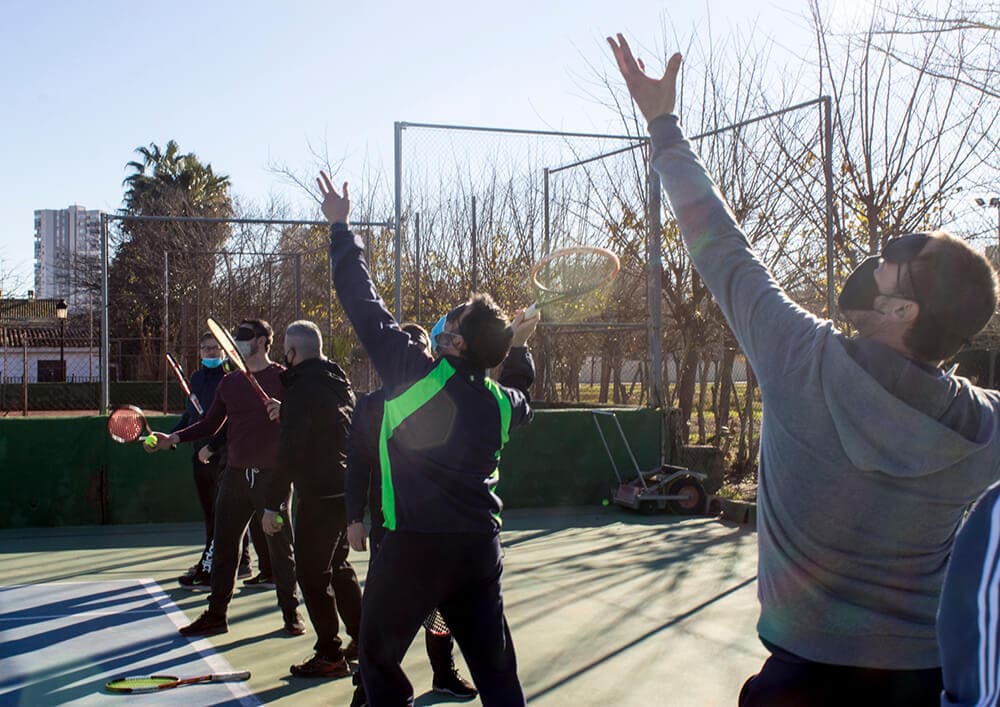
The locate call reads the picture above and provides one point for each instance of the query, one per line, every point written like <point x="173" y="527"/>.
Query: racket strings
<point x="139" y="683"/>
<point x="125" y="425"/>
<point x="574" y="273"/>
<point x="435" y="623"/>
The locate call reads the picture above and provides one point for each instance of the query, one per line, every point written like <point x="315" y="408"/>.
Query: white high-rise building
<point x="67" y="251"/>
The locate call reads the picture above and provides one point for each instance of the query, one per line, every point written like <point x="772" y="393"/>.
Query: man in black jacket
<point x="315" y="419"/>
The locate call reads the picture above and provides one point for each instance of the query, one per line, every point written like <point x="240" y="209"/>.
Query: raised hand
<point x="335" y="207"/>
<point x="655" y="97"/>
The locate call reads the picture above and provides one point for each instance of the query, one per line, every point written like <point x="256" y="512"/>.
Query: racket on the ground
<point x="233" y="353"/>
<point x="436" y="625"/>
<point x="128" y="424"/>
<point x="185" y="386"/>
<point x="155" y="683"/>
<point x="569" y="273"/>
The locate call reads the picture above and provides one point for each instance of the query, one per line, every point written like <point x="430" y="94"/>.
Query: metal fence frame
<point x="106" y="219"/>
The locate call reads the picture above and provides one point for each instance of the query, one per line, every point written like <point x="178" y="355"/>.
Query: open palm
<point x="655" y="97"/>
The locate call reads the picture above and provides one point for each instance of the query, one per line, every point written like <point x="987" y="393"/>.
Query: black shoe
<point x="191" y="571"/>
<point x="351" y="651"/>
<point x="320" y="667"/>
<point x="206" y="625"/>
<point x="359" y="699"/>
<point x="197" y="582"/>
<point x="293" y="623"/>
<point x="452" y="683"/>
<point x="261" y="581"/>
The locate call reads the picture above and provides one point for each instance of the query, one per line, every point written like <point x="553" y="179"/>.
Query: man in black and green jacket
<point x="443" y="427"/>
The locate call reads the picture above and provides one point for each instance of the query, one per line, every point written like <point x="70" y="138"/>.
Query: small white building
<point x="34" y="345"/>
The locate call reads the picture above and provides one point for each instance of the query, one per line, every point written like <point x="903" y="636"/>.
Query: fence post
<point x="654" y="291"/>
<point x="475" y="248"/>
<point x="416" y="227"/>
<point x="166" y="323"/>
<point x="105" y="333"/>
<point x="24" y="373"/>
<point x="398" y="171"/>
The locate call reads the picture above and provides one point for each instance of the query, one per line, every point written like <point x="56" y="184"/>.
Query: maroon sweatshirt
<point x="252" y="439"/>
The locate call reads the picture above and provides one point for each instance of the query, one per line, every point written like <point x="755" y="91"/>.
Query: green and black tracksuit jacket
<point x="444" y="423"/>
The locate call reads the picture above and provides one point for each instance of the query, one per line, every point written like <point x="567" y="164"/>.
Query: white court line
<point x="144" y="589"/>
<point x="201" y="646"/>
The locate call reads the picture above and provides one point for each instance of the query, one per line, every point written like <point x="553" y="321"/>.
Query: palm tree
<point x="164" y="182"/>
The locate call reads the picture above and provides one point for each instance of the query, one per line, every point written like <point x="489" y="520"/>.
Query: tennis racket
<point x="185" y="386"/>
<point x="155" y="683"/>
<point x="229" y="346"/>
<point x="571" y="272"/>
<point x="436" y="625"/>
<point x="128" y="424"/>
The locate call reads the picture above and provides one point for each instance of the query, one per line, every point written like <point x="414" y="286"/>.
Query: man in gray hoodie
<point x="869" y="454"/>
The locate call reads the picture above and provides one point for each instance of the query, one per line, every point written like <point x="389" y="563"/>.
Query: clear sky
<point x="243" y="84"/>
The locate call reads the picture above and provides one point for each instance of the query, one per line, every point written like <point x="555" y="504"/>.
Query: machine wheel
<point x="648" y="507"/>
<point x="690" y="487"/>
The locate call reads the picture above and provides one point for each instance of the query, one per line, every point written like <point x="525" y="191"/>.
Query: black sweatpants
<point x="789" y="681"/>
<point x="241" y="495"/>
<point x="328" y="581"/>
<point x="206" y="483"/>
<point x="460" y="575"/>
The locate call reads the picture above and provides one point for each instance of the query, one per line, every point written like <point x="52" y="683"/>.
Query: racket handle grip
<point x="231" y="677"/>
<point x="532" y="311"/>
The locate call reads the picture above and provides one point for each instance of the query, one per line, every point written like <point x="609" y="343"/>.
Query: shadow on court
<point x="605" y="607"/>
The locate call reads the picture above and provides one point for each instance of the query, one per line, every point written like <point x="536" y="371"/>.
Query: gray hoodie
<point x="867" y="460"/>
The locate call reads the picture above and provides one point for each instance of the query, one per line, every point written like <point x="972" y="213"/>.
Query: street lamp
<point x="993" y="203"/>
<point x="62" y="309"/>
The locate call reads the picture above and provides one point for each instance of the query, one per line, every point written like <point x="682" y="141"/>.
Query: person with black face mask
<point x="870" y="451"/>
<point x="315" y="418"/>
<point x="251" y="449"/>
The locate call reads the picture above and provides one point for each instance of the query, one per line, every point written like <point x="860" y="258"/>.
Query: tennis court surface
<point x="606" y="608"/>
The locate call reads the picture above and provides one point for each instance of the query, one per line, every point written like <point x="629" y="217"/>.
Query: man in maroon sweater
<point x="252" y="451"/>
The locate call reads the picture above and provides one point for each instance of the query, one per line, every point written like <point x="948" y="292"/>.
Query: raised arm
<point x="773" y="331"/>
<point x="396" y="358"/>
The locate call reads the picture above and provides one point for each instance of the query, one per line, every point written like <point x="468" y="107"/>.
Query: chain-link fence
<point x="477" y="208"/>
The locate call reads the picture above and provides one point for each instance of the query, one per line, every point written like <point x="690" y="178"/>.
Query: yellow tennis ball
<point x="279" y="520"/>
<point x="150" y="441"/>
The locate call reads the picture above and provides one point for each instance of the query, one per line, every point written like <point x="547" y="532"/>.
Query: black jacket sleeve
<point x="362" y="458"/>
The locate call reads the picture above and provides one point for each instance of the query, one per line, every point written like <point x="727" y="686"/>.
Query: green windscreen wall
<point x="66" y="470"/>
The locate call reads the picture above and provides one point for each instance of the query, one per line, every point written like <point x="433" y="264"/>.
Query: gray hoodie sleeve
<point x="775" y="333"/>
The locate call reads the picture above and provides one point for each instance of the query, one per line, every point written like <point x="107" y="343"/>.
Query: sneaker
<point x="244" y="572"/>
<point x="197" y="582"/>
<point x="452" y="683"/>
<point x="206" y="625"/>
<point x="261" y="581"/>
<point x="320" y="667"/>
<point x="359" y="699"/>
<point x="191" y="571"/>
<point x="351" y="651"/>
<point x="293" y="623"/>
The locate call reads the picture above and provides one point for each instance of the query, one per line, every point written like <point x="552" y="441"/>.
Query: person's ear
<point x="906" y="311"/>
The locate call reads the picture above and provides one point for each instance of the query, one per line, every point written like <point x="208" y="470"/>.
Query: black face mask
<point x="860" y="290"/>
<point x="288" y="361"/>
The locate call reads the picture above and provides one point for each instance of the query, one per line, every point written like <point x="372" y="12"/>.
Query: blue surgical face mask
<point x="438" y="328"/>
<point x="211" y="362"/>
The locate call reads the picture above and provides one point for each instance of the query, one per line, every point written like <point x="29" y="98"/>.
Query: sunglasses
<point x="905" y="248"/>
<point x="903" y="251"/>
<point x="247" y="333"/>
